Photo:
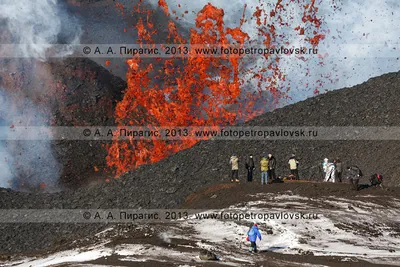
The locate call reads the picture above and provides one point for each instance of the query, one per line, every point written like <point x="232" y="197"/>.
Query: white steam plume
<point x="25" y="164"/>
<point x="38" y="24"/>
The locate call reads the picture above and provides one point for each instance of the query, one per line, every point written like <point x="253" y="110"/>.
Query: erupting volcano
<point x="204" y="91"/>
<point x="252" y="141"/>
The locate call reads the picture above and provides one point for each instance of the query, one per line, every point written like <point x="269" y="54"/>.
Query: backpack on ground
<point x="376" y="179"/>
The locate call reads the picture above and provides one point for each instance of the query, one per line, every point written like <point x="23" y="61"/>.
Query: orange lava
<point x="199" y="91"/>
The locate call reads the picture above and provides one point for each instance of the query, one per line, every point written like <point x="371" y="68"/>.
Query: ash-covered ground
<point x="176" y="182"/>
<point x="349" y="229"/>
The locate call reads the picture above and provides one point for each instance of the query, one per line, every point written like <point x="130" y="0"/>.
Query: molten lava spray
<point x="202" y="91"/>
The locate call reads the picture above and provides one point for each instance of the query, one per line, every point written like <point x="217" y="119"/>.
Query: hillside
<point x="168" y="183"/>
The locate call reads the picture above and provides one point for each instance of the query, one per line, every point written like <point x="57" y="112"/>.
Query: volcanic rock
<point x="147" y="187"/>
<point x="206" y="255"/>
<point x="69" y="92"/>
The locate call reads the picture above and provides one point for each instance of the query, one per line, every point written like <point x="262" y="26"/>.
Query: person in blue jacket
<point x="252" y="235"/>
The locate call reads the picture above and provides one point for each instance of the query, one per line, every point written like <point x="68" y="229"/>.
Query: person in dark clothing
<point x="271" y="167"/>
<point x="339" y="170"/>
<point x="353" y="174"/>
<point x="250" y="168"/>
<point x="376" y="179"/>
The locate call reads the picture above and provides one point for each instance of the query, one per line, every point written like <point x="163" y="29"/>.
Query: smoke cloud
<point x="25" y="164"/>
<point x="38" y="24"/>
<point x="35" y="27"/>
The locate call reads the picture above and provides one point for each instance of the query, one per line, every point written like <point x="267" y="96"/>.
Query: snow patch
<point x="70" y="256"/>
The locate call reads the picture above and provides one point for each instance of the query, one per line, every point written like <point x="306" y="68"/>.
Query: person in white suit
<point x="329" y="169"/>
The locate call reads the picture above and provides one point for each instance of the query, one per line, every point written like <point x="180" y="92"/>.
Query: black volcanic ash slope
<point x="166" y="184"/>
<point x="91" y="96"/>
<point x="373" y="103"/>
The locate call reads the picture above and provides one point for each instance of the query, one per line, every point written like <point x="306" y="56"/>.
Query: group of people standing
<point x="333" y="169"/>
<point x="267" y="167"/>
